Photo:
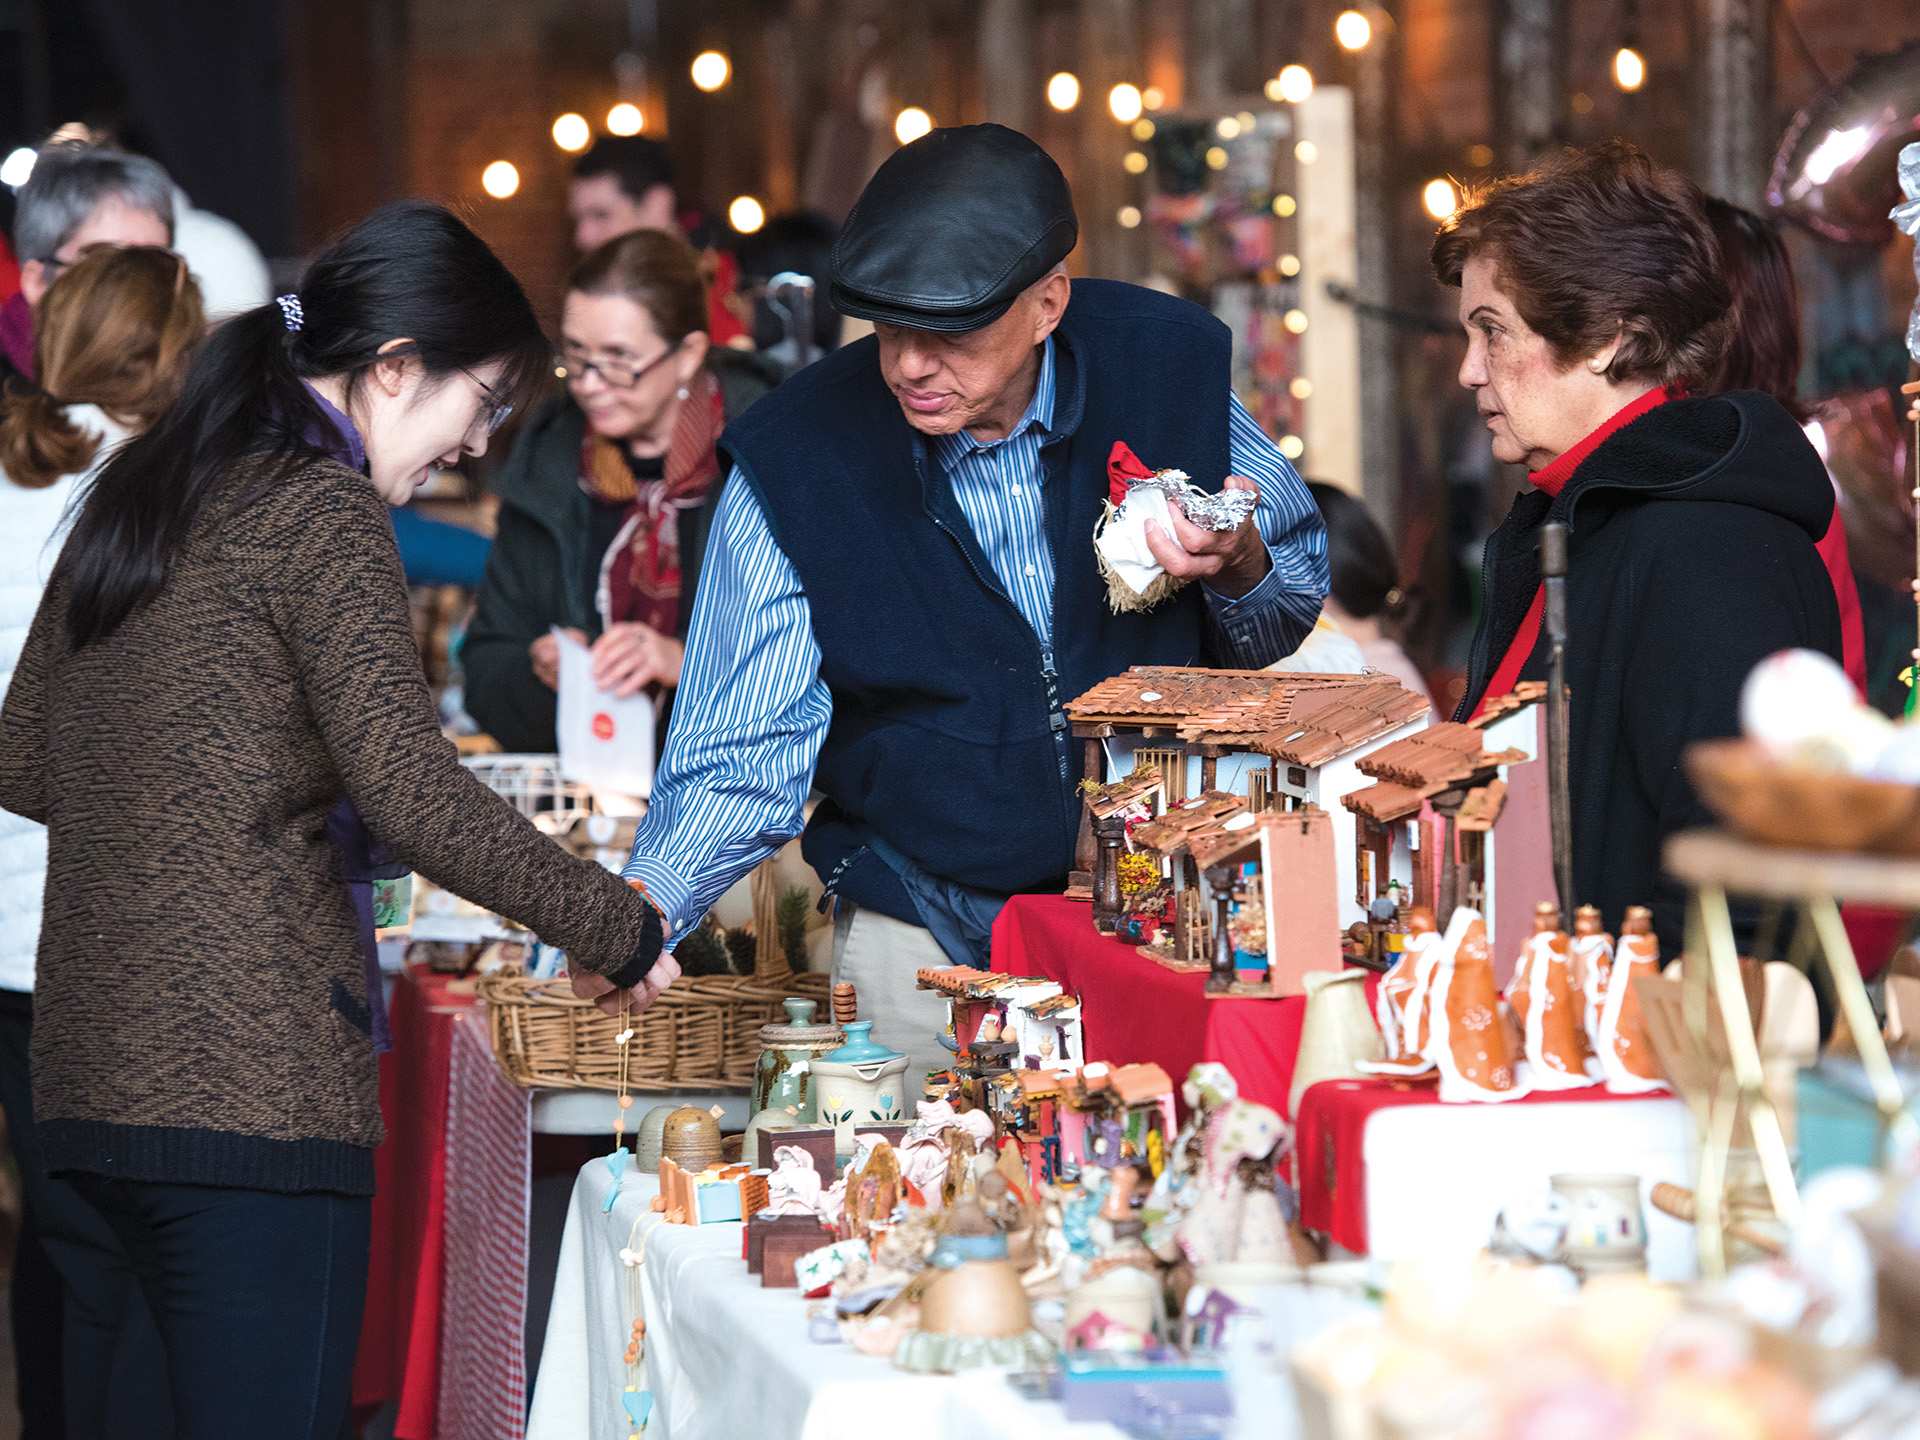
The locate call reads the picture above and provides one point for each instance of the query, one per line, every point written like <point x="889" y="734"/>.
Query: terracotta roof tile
<point x="1435" y="758"/>
<point x="1385" y="802"/>
<point x="1105" y="800"/>
<point x="1170" y="831"/>
<point x="1297" y="717"/>
<point x="1527" y="692"/>
<point x="1136" y="1084"/>
<point x="1482" y="807"/>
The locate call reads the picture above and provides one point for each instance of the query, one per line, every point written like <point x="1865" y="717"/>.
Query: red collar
<point x="1555" y="476"/>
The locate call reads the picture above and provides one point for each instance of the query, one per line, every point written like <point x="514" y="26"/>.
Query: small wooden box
<point x="816" y="1140"/>
<point x="782" y="1240"/>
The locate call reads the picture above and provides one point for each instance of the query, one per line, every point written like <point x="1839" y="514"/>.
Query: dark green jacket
<point x="540" y="573"/>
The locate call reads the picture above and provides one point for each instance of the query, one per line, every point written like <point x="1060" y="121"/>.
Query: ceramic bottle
<point x="783" y="1075"/>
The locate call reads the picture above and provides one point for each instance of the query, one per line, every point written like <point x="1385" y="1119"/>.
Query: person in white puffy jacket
<point x="112" y="337"/>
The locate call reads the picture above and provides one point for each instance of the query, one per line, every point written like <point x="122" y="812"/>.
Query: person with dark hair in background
<point x="223" y="664"/>
<point x="1592" y="301"/>
<point x="624" y="183"/>
<point x="798" y="243"/>
<point x="1763" y="353"/>
<point x="1366" y="584"/>
<point x="114" y="333"/>
<point x="608" y="497"/>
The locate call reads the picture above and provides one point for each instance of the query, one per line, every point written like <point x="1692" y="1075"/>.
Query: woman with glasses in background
<point x="607" y="498"/>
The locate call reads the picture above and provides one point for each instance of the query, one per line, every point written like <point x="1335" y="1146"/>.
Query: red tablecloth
<point x="399" y="1357"/>
<point x="1134" y="1010"/>
<point x="1330" y="1157"/>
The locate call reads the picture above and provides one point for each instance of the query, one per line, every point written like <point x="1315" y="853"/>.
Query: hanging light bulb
<point x="1353" y="30"/>
<point x="1440" y="198"/>
<point x="1153" y="97"/>
<point x="1135" y="162"/>
<point x="1295" y="321"/>
<point x="746" y="214"/>
<point x="910" y="124"/>
<point x="710" y="70"/>
<point x="1629" y="69"/>
<point x="1129" y="217"/>
<point x="1063" y="91"/>
<point x="571" y="131"/>
<point x="626" y="119"/>
<point x="500" y="179"/>
<point x="1124" y="103"/>
<point x="1294" y="84"/>
<point x="1143" y="130"/>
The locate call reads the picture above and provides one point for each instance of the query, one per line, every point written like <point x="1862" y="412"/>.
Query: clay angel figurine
<point x="1400" y="1002"/>
<point x="1473" y="1041"/>
<point x="1592" y="960"/>
<point x="794" y="1187"/>
<point x="1626" y="1054"/>
<point x="1544" y="1001"/>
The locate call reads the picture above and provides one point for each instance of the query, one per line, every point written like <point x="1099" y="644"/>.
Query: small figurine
<point x="872" y="1189"/>
<point x="1592" y="960"/>
<point x="1626" y="1054"/>
<point x="1547" y="1006"/>
<point x="1472" y="1040"/>
<point x="1401" y="1002"/>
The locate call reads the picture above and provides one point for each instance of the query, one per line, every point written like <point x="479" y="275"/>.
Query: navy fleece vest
<point x="948" y="737"/>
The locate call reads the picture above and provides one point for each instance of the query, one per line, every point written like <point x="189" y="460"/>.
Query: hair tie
<point x="290" y="312"/>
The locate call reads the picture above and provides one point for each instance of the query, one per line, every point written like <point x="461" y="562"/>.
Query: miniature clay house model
<point x="1457" y="817"/>
<point x="1271" y="739"/>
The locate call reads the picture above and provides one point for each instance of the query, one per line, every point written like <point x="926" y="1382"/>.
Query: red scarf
<point x="1553" y="480"/>
<point x="644" y="585"/>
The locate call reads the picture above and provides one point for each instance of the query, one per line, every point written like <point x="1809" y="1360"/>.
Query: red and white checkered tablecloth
<point x="483" y="1363"/>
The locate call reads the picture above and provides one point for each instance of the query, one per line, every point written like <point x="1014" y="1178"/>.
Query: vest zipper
<point x="1056" y="713"/>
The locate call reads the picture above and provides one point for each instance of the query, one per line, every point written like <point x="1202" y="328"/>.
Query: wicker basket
<point x="703" y="1033"/>
<point x="1777" y="804"/>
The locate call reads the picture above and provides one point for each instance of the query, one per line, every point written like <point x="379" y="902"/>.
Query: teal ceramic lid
<point x="861" y="1048"/>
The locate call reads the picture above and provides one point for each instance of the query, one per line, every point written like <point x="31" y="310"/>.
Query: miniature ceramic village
<point x="1073" y="1223"/>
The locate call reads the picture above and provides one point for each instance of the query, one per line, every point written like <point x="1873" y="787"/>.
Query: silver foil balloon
<point x="1906" y="219"/>
<point x="1835" y="170"/>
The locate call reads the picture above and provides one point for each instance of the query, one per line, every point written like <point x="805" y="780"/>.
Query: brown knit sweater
<point x="201" y="1007"/>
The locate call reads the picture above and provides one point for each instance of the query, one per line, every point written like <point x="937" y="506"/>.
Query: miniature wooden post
<point x="1108" y="833"/>
<point x="1209" y="769"/>
<point x="1447" y="806"/>
<point x="1220" y="886"/>
<point x="1093" y="768"/>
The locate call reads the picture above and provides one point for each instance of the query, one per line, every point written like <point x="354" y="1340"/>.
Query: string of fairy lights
<point x="1129" y="104"/>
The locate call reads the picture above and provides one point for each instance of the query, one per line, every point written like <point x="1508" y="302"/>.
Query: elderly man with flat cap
<point x="900" y="592"/>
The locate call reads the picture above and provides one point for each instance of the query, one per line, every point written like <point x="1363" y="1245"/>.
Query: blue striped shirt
<point x="752" y="710"/>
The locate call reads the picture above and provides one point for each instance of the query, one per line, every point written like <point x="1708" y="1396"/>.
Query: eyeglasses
<point x="620" y="374"/>
<point x="497" y="409"/>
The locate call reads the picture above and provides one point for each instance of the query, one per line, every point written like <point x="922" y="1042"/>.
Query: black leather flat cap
<point x="951" y="229"/>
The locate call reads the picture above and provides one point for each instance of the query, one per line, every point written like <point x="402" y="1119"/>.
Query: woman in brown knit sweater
<point x="223" y="656"/>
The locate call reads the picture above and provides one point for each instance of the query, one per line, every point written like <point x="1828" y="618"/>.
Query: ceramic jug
<point x="646" y="1145"/>
<point x="861" y="1082"/>
<point x="691" y="1138"/>
<point x="1606" y="1228"/>
<point x="783" y="1074"/>
<point x="1337" y="1033"/>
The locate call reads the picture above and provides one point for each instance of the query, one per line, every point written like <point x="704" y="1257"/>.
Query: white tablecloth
<point x="1438" y="1175"/>
<point x="728" y="1359"/>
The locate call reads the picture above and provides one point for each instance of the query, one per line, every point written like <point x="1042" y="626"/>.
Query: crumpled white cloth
<point x="1907" y="217"/>
<point x="1122" y="542"/>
